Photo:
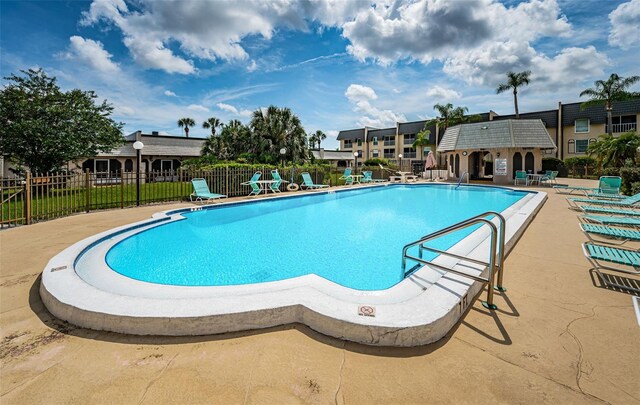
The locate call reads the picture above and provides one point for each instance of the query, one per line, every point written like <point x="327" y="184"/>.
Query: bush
<point x="630" y="180"/>
<point x="376" y="162"/>
<point x="580" y="165"/>
<point x="554" y="164"/>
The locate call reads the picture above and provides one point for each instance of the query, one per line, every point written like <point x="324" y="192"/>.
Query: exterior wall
<point x="505" y="153"/>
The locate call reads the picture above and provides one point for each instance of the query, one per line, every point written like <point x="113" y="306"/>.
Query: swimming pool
<point x="328" y="259"/>
<point x="353" y="238"/>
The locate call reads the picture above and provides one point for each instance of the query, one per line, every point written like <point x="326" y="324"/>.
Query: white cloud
<point x="233" y="110"/>
<point x="442" y="93"/>
<point x="197" y="107"/>
<point x="357" y="92"/>
<point x="625" y="25"/>
<point x="361" y="97"/>
<point x="252" y="66"/>
<point x="169" y="93"/>
<point x="125" y="110"/>
<point x="91" y="53"/>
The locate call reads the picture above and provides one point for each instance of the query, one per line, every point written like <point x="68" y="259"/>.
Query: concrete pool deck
<point x="558" y="337"/>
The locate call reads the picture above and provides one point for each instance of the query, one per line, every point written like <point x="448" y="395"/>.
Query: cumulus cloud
<point x="91" y="53"/>
<point x="625" y="25"/>
<point x="197" y="107"/>
<point x="426" y="29"/>
<point x="169" y="93"/>
<point x="252" y="66"/>
<point x="233" y="110"/>
<point x="442" y="93"/>
<point x="361" y="97"/>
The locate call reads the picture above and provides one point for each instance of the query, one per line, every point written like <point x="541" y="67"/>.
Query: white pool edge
<point x="413" y="312"/>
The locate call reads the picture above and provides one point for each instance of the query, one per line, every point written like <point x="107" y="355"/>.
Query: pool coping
<point x="321" y="304"/>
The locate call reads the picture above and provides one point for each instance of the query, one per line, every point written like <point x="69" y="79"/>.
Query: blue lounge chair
<point x="275" y="186"/>
<point x="308" y="183"/>
<point x="632" y="201"/>
<point x="549" y="177"/>
<point x="366" y="177"/>
<point x="611" y="220"/>
<point x="615" y="236"/>
<point x="627" y="261"/>
<point x="609" y="185"/>
<point x="347" y="177"/>
<point x="201" y="191"/>
<point x="609" y="211"/>
<point x="521" y="176"/>
<point x="255" y="187"/>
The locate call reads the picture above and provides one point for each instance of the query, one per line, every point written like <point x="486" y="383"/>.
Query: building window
<point x="101" y="166"/>
<point x="572" y="146"/>
<point x="582" y="125"/>
<point x="389" y="153"/>
<point x="359" y="154"/>
<point x="409" y="139"/>
<point x="409" y="153"/>
<point x="375" y="140"/>
<point x="389" y="141"/>
<point x="375" y="153"/>
<point x="348" y="144"/>
<point x="623" y="123"/>
<point x="359" y="142"/>
<point x="166" y="165"/>
<point x="582" y="145"/>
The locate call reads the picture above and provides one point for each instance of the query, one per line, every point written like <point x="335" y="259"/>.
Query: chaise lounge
<point x="201" y="192"/>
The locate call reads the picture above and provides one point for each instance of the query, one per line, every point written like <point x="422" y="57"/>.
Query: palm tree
<point x="615" y="151"/>
<point x="514" y="81"/>
<point x="320" y="136"/>
<point x="610" y="90"/>
<point x="312" y="141"/>
<point x="278" y="128"/>
<point x="449" y="117"/>
<point x="186" y="123"/>
<point x="422" y="140"/>
<point x="212" y="123"/>
<point x="213" y="144"/>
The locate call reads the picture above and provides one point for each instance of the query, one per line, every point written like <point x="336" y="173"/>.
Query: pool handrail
<point x="462" y="178"/>
<point x="496" y="258"/>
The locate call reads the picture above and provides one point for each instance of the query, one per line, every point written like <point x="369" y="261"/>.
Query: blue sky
<point x="337" y="64"/>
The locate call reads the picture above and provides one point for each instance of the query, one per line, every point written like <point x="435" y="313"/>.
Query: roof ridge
<point x="513" y="141"/>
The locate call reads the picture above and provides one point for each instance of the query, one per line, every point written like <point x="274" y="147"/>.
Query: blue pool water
<point x="353" y="238"/>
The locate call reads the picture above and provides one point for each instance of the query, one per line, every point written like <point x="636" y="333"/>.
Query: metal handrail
<point x="462" y="178"/>
<point x="496" y="259"/>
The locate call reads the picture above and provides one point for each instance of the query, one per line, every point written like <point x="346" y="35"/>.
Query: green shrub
<point x="376" y="162"/>
<point x="580" y="165"/>
<point x="630" y="180"/>
<point x="554" y="164"/>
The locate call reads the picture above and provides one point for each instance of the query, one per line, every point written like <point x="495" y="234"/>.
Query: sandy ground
<point x="558" y="337"/>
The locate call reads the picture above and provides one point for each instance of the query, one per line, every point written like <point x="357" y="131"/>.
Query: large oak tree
<point x="43" y="127"/>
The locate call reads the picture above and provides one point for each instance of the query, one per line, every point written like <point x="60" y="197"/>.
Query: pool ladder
<point x="496" y="258"/>
<point x="462" y="178"/>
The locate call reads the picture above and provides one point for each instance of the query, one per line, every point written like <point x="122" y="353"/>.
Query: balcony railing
<point x="389" y="155"/>
<point x="619" y="128"/>
<point x="409" y="141"/>
<point x="389" y="143"/>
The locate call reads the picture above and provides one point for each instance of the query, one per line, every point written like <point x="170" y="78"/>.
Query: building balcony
<point x="389" y="143"/>
<point x="620" y="128"/>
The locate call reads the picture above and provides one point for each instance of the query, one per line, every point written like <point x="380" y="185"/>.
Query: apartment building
<point x="571" y="128"/>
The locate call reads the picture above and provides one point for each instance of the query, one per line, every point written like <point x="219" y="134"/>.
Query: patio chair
<point x="628" y="261"/>
<point x="615" y="236"/>
<point x="366" y="177"/>
<point x="255" y="187"/>
<point x="610" y="185"/>
<point x="275" y="186"/>
<point x="564" y="189"/>
<point x="521" y="176"/>
<point x="201" y="191"/>
<point x="632" y="201"/>
<point x="347" y="177"/>
<point x="609" y="211"/>
<point x="307" y="182"/>
<point x="611" y="220"/>
<point x="549" y="177"/>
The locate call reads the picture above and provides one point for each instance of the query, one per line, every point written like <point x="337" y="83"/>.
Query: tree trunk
<point x="609" y="118"/>
<point x="515" y="102"/>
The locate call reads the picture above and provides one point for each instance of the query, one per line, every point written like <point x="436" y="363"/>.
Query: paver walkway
<point x="557" y="338"/>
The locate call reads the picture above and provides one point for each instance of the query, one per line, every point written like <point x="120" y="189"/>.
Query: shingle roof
<point x="497" y="134"/>
<point x="160" y="146"/>
<point x="597" y="114"/>
<point x="351" y="134"/>
<point x="381" y="132"/>
<point x="549" y="118"/>
<point x="332" y="154"/>
<point x="412" y="127"/>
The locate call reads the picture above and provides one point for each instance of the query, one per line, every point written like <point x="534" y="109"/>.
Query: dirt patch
<point x="20" y="280"/>
<point x="16" y="345"/>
